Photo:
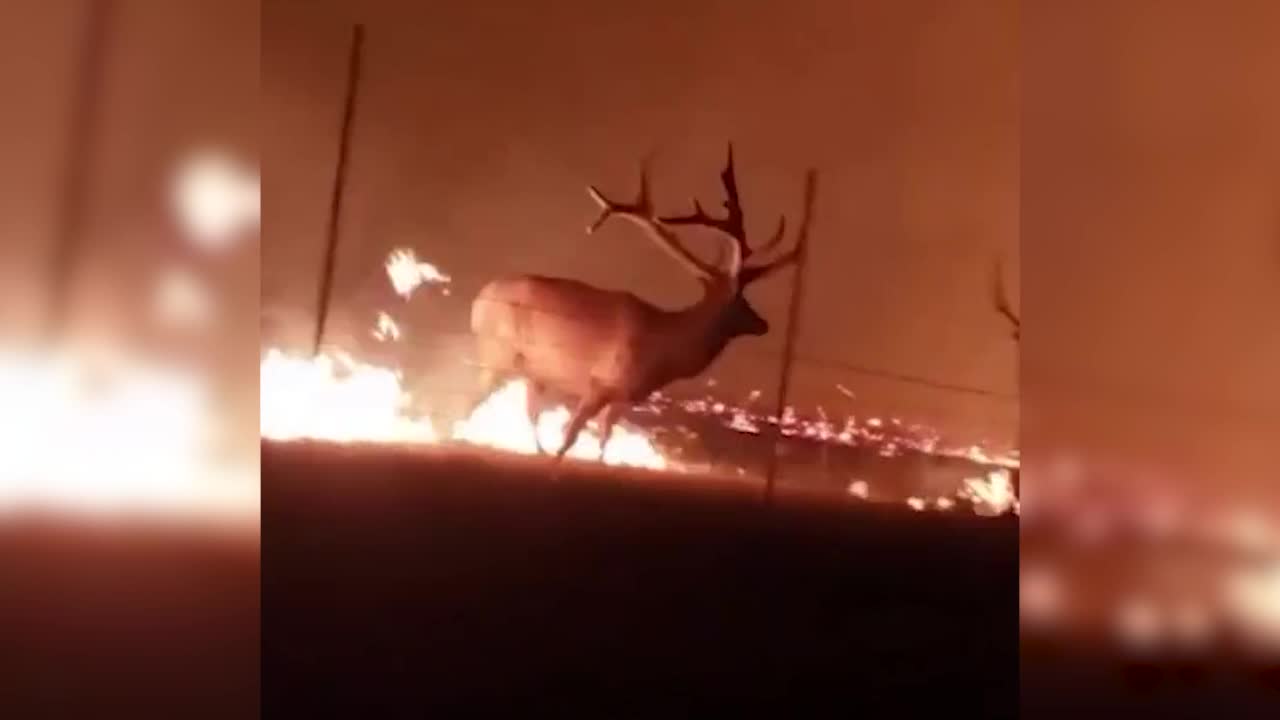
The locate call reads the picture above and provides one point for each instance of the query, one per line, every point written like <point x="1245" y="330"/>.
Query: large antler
<point x="641" y="213"/>
<point x="733" y="225"/>
<point x="1002" y="300"/>
<point x="756" y="272"/>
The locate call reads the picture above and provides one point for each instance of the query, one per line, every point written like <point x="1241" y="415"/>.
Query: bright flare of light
<point x="215" y="198"/>
<point x="406" y="272"/>
<point x="336" y="398"/>
<point x="130" y="438"/>
<point x="502" y="422"/>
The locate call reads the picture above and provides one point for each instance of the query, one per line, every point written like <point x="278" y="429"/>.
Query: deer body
<point x="576" y="339"/>
<point x="607" y="348"/>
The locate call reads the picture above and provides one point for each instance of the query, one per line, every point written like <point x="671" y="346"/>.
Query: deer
<point x="1001" y="300"/>
<point x="608" y="349"/>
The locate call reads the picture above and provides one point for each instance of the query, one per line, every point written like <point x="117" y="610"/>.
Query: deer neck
<point x="698" y="332"/>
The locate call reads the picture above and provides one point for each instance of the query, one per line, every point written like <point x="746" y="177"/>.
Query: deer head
<point x="723" y="283"/>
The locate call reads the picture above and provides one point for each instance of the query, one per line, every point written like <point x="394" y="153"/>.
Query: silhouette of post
<point x="69" y="222"/>
<point x="339" y="183"/>
<point x="793" y="323"/>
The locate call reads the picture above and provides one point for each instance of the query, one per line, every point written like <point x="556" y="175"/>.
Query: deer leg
<point x="487" y="383"/>
<point x="587" y="408"/>
<point x="533" y="407"/>
<point x="608" y="419"/>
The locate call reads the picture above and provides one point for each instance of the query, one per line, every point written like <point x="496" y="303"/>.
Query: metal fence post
<point x="793" y="322"/>
<point x="339" y="184"/>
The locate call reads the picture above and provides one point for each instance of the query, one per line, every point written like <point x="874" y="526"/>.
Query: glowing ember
<point x="992" y="495"/>
<point x="859" y="489"/>
<point x="407" y="273"/>
<point x="387" y="329"/>
<point x="334" y="397"/>
<point x="124" y="437"/>
<point x="502" y="422"/>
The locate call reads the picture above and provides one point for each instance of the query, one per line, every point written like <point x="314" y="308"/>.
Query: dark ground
<point x="398" y="583"/>
<point x="1081" y="680"/>
<point x="101" y="621"/>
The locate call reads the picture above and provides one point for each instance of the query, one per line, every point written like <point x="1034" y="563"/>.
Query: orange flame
<point x="106" y="438"/>
<point x="333" y="397"/>
<point x="501" y="422"/>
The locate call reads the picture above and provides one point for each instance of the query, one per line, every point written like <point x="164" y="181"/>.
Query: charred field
<point x="400" y="579"/>
<point x="101" y="618"/>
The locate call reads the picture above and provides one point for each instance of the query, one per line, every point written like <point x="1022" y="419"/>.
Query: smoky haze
<point x="478" y="127"/>
<point x="1151" y="236"/>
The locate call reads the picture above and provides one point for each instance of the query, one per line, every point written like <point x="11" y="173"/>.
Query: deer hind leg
<point x="587" y="409"/>
<point x="486" y="383"/>
<point x="533" y="407"/>
<point x="496" y="361"/>
<point x="608" y="419"/>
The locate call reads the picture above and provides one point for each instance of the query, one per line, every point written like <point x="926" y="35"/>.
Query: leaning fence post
<point x="339" y="183"/>
<point x="793" y="322"/>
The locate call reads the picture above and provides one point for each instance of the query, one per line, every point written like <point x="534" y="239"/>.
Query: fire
<point x="121" y="437"/>
<point x="406" y="273"/>
<point x="336" y="398"/>
<point x="991" y="495"/>
<point x="501" y="422"/>
<point x="387" y="329"/>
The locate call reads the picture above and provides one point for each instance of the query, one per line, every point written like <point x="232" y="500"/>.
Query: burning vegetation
<point x="335" y="397"/>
